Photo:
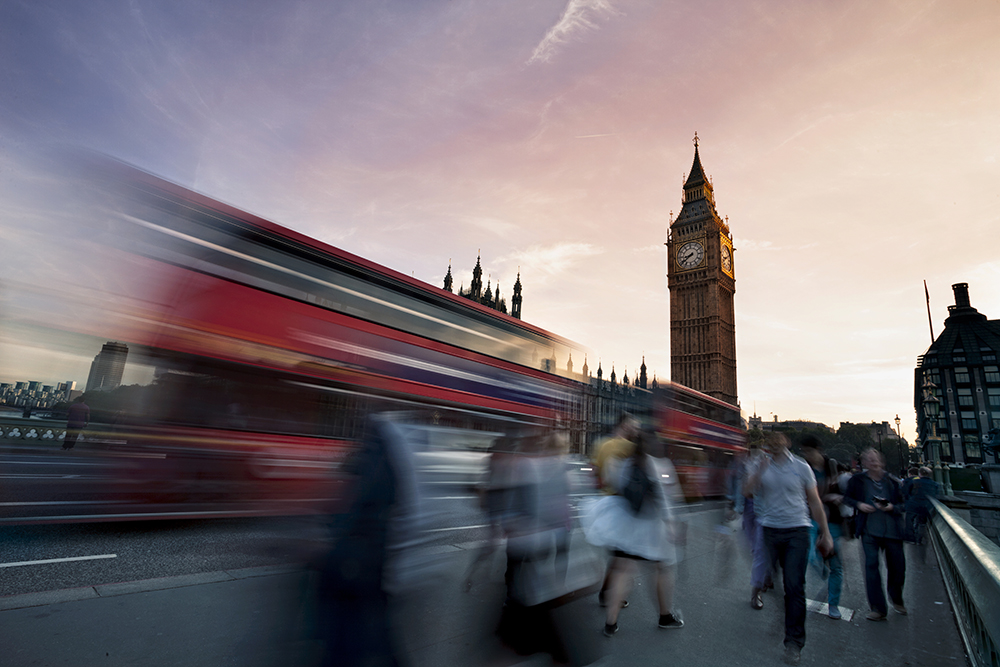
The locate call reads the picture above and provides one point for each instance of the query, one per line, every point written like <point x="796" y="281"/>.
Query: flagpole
<point x="929" y="322"/>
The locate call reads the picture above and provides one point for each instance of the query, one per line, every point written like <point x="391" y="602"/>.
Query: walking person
<point x="76" y="421"/>
<point x="762" y="568"/>
<point x="918" y="503"/>
<point x="877" y="497"/>
<point x="787" y="487"/>
<point x="825" y="470"/>
<point x="637" y="524"/>
<point x="607" y="464"/>
<point x="494" y="500"/>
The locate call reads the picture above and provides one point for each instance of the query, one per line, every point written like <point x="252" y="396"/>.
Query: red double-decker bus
<point x="703" y="435"/>
<point x="268" y="349"/>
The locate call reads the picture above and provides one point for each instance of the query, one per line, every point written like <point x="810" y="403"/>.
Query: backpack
<point x="638" y="486"/>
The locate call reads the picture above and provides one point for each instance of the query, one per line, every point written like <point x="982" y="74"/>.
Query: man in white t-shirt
<point x="785" y="487"/>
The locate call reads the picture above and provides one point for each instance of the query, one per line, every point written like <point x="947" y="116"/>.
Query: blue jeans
<point x="835" y="579"/>
<point x="760" y="572"/>
<point x="895" y="566"/>
<point x="790" y="548"/>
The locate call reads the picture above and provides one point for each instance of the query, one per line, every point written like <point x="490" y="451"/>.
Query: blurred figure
<point x="637" y="524"/>
<point x="77" y="420"/>
<point x="536" y="617"/>
<point x="832" y="568"/>
<point x="761" y="571"/>
<point x="610" y="453"/>
<point x="494" y="500"/>
<point x="918" y="504"/>
<point x="787" y="487"/>
<point x="878" y="499"/>
<point x="353" y="607"/>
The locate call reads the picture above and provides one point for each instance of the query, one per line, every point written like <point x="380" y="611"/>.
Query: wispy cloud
<point x="552" y="259"/>
<point x="579" y="16"/>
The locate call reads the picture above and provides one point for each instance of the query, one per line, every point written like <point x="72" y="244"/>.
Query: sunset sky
<point x="853" y="146"/>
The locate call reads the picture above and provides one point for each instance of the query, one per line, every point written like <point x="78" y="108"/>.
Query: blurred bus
<point x="703" y="436"/>
<point x="269" y="349"/>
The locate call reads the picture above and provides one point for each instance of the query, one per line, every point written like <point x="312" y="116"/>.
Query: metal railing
<point x="970" y="566"/>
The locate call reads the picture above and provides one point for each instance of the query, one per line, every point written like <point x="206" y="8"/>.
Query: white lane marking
<point x="57" y="560"/>
<point x="451" y="497"/>
<point x="823" y="608"/>
<point x="444" y="530"/>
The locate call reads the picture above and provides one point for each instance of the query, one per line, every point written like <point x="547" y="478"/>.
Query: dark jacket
<point x="921" y="491"/>
<point x="856" y="494"/>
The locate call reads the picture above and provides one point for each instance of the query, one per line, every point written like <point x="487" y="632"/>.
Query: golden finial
<point x="696" y="139"/>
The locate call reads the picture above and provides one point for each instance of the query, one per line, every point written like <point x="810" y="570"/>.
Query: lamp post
<point x="878" y="434"/>
<point x="903" y="462"/>
<point x="931" y="406"/>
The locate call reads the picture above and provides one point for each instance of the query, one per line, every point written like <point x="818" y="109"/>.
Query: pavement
<point x="261" y="617"/>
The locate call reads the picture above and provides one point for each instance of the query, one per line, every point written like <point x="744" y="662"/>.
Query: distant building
<point x="488" y="297"/>
<point x="962" y="364"/>
<point x="756" y="422"/>
<point x="107" y="368"/>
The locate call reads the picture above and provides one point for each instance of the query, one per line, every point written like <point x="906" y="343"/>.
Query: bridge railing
<point x="970" y="566"/>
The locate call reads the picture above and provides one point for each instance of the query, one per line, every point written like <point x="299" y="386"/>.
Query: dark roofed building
<point x="962" y="365"/>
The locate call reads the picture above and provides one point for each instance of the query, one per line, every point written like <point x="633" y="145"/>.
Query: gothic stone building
<point x="702" y="281"/>
<point x="488" y="298"/>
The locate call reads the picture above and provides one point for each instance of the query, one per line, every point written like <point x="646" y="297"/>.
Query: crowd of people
<point x="798" y="512"/>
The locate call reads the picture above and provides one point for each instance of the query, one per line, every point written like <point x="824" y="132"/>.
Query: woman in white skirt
<point x="632" y="536"/>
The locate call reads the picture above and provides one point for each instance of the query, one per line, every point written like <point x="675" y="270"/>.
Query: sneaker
<point x="875" y="616"/>
<point x="899" y="609"/>
<point x="793" y="654"/>
<point x="610" y="630"/>
<point x="670" y="621"/>
<point x="835" y="612"/>
<point x="756" y="600"/>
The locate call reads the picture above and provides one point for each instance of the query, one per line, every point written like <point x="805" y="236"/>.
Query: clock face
<point x="690" y="255"/>
<point x="727" y="258"/>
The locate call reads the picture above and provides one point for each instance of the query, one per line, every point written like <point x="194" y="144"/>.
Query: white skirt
<point x="608" y="522"/>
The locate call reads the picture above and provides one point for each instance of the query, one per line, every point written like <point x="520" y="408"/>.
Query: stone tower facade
<point x="701" y="277"/>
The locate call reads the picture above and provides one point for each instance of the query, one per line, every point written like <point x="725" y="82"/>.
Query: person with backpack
<point x="637" y="524"/>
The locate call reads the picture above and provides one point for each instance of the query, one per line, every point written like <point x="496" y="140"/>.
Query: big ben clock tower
<point x="702" y="281"/>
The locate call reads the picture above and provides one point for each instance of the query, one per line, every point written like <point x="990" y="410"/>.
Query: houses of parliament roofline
<point x="488" y="297"/>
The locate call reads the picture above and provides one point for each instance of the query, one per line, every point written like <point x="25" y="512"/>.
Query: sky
<point x="852" y="145"/>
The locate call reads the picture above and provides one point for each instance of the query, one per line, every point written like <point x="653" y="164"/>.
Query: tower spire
<point x="448" y="280"/>
<point x="476" y="288"/>
<point x="515" y="301"/>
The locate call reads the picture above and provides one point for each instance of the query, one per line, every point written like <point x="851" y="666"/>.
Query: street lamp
<point x="903" y="462"/>
<point x="932" y="406"/>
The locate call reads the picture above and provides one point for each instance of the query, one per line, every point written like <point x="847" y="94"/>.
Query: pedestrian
<point x="878" y="499"/>
<point x="494" y="500"/>
<point x="826" y="473"/>
<point x="352" y="604"/>
<point x="761" y="570"/>
<point x="786" y="486"/>
<point x="77" y="420"/>
<point x="637" y="524"/>
<point x="607" y="463"/>
<point x="918" y="504"/>
<point x="537" y="615"/>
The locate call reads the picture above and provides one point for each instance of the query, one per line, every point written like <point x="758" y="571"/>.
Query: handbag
<point x="637" y="487"/>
